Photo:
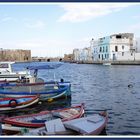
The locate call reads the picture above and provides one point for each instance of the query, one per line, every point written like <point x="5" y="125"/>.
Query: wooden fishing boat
<point x="90" y="125"/>
<point x="62" y="91"/>
<point x="39" y="119"/>
<point x="48" y="90"/>
<point x="37" y="86"/>
<point x="17" y="103"/>
<point x="48" y="83"/>
<point x="8" y="77"/>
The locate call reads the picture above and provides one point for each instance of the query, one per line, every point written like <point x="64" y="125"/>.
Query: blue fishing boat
<point x="34" y="80"/>
<point x="17" y="103"/>
<point x="59" y="92"/>
<point x="47" y="90"/>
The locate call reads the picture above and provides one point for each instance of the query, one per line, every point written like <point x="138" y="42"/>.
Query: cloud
<point x="76" y="12"/>
<point x="35" y="24"/>
<point x="6" y="19"/>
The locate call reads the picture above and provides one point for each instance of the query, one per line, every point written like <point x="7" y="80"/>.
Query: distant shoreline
<point x="111" y="62"/>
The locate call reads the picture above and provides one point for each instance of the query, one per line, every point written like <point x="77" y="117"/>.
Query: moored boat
<point x="17" y="103"/>
<point x="36" y="86"/>
<point x="62" y="91"/>
<point x="39" y="119"/>
<point x="90" y="125"/>
<point x="106" y="63"/>
<point x="7" y="74"/>
<point x="25" y="78"/>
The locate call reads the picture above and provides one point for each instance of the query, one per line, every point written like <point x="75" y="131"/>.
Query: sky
<point x="55" y="29"/>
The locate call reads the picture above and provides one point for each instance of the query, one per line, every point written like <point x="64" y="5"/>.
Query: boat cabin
<point x="5" y="67"/>
<point x="7" y="74"/>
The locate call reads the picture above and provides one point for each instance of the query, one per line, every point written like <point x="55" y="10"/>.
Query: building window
<point x="99" y="56"/>
<point x="131" y="54"/>
<point x="106" y="49"/>
<point x="103" y="49"/>
<point x="123" y="47"/>
<point x="105" y="55"/>
<point x="116" y="48"/>
<point x="122" y="53"/>
<point x="102" y="57"/>
<point x="118" y="36"/>
<point x="100" y="49"/>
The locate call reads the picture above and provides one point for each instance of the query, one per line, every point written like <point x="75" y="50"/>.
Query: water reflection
<point x="40" y="106"/>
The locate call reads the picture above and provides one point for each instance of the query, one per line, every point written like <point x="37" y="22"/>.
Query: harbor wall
<point x="112" y="62"/>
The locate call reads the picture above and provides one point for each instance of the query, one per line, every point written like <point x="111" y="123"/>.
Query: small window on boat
<point x="4" y="65"/>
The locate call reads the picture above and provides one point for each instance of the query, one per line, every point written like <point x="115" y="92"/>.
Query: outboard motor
<point x="61" y="80"/>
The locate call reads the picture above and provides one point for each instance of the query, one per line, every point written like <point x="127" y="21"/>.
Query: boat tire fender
<point x="13" y="103"/>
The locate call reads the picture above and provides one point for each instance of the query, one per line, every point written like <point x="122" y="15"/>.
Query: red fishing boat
<point x="39" y="119"/>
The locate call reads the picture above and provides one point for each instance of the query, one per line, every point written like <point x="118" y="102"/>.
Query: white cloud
<point x="6" y="19"/>
<point x="76" y="12"/>
<point x="35" y="24"/>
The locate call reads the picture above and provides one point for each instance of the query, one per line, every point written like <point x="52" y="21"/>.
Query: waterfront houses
<point x="116" y="47"/>
<point x="83" y="55"/>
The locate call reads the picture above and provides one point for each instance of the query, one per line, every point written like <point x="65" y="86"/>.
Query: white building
<point x="118" y="47"/>
<point x="83" y="55"/>
<point x="76" y="53"/>
<point x="137" y="44"/>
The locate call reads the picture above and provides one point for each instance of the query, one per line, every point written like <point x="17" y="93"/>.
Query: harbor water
<point x="114" y="88"/>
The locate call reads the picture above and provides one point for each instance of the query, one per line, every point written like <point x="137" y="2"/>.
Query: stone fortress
<point x="15" y="55"/>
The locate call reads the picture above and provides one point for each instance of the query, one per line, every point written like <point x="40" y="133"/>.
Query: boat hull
<point x="20" y="102"/>
<point x="79" y="126"/>
<point x="31" y="121"/>
<point x="44" y="95"/>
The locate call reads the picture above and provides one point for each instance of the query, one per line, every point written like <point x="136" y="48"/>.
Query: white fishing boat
<point x="106" y="63"/>
<point x="7" y="74"/>
<point x="91" y="125"/>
